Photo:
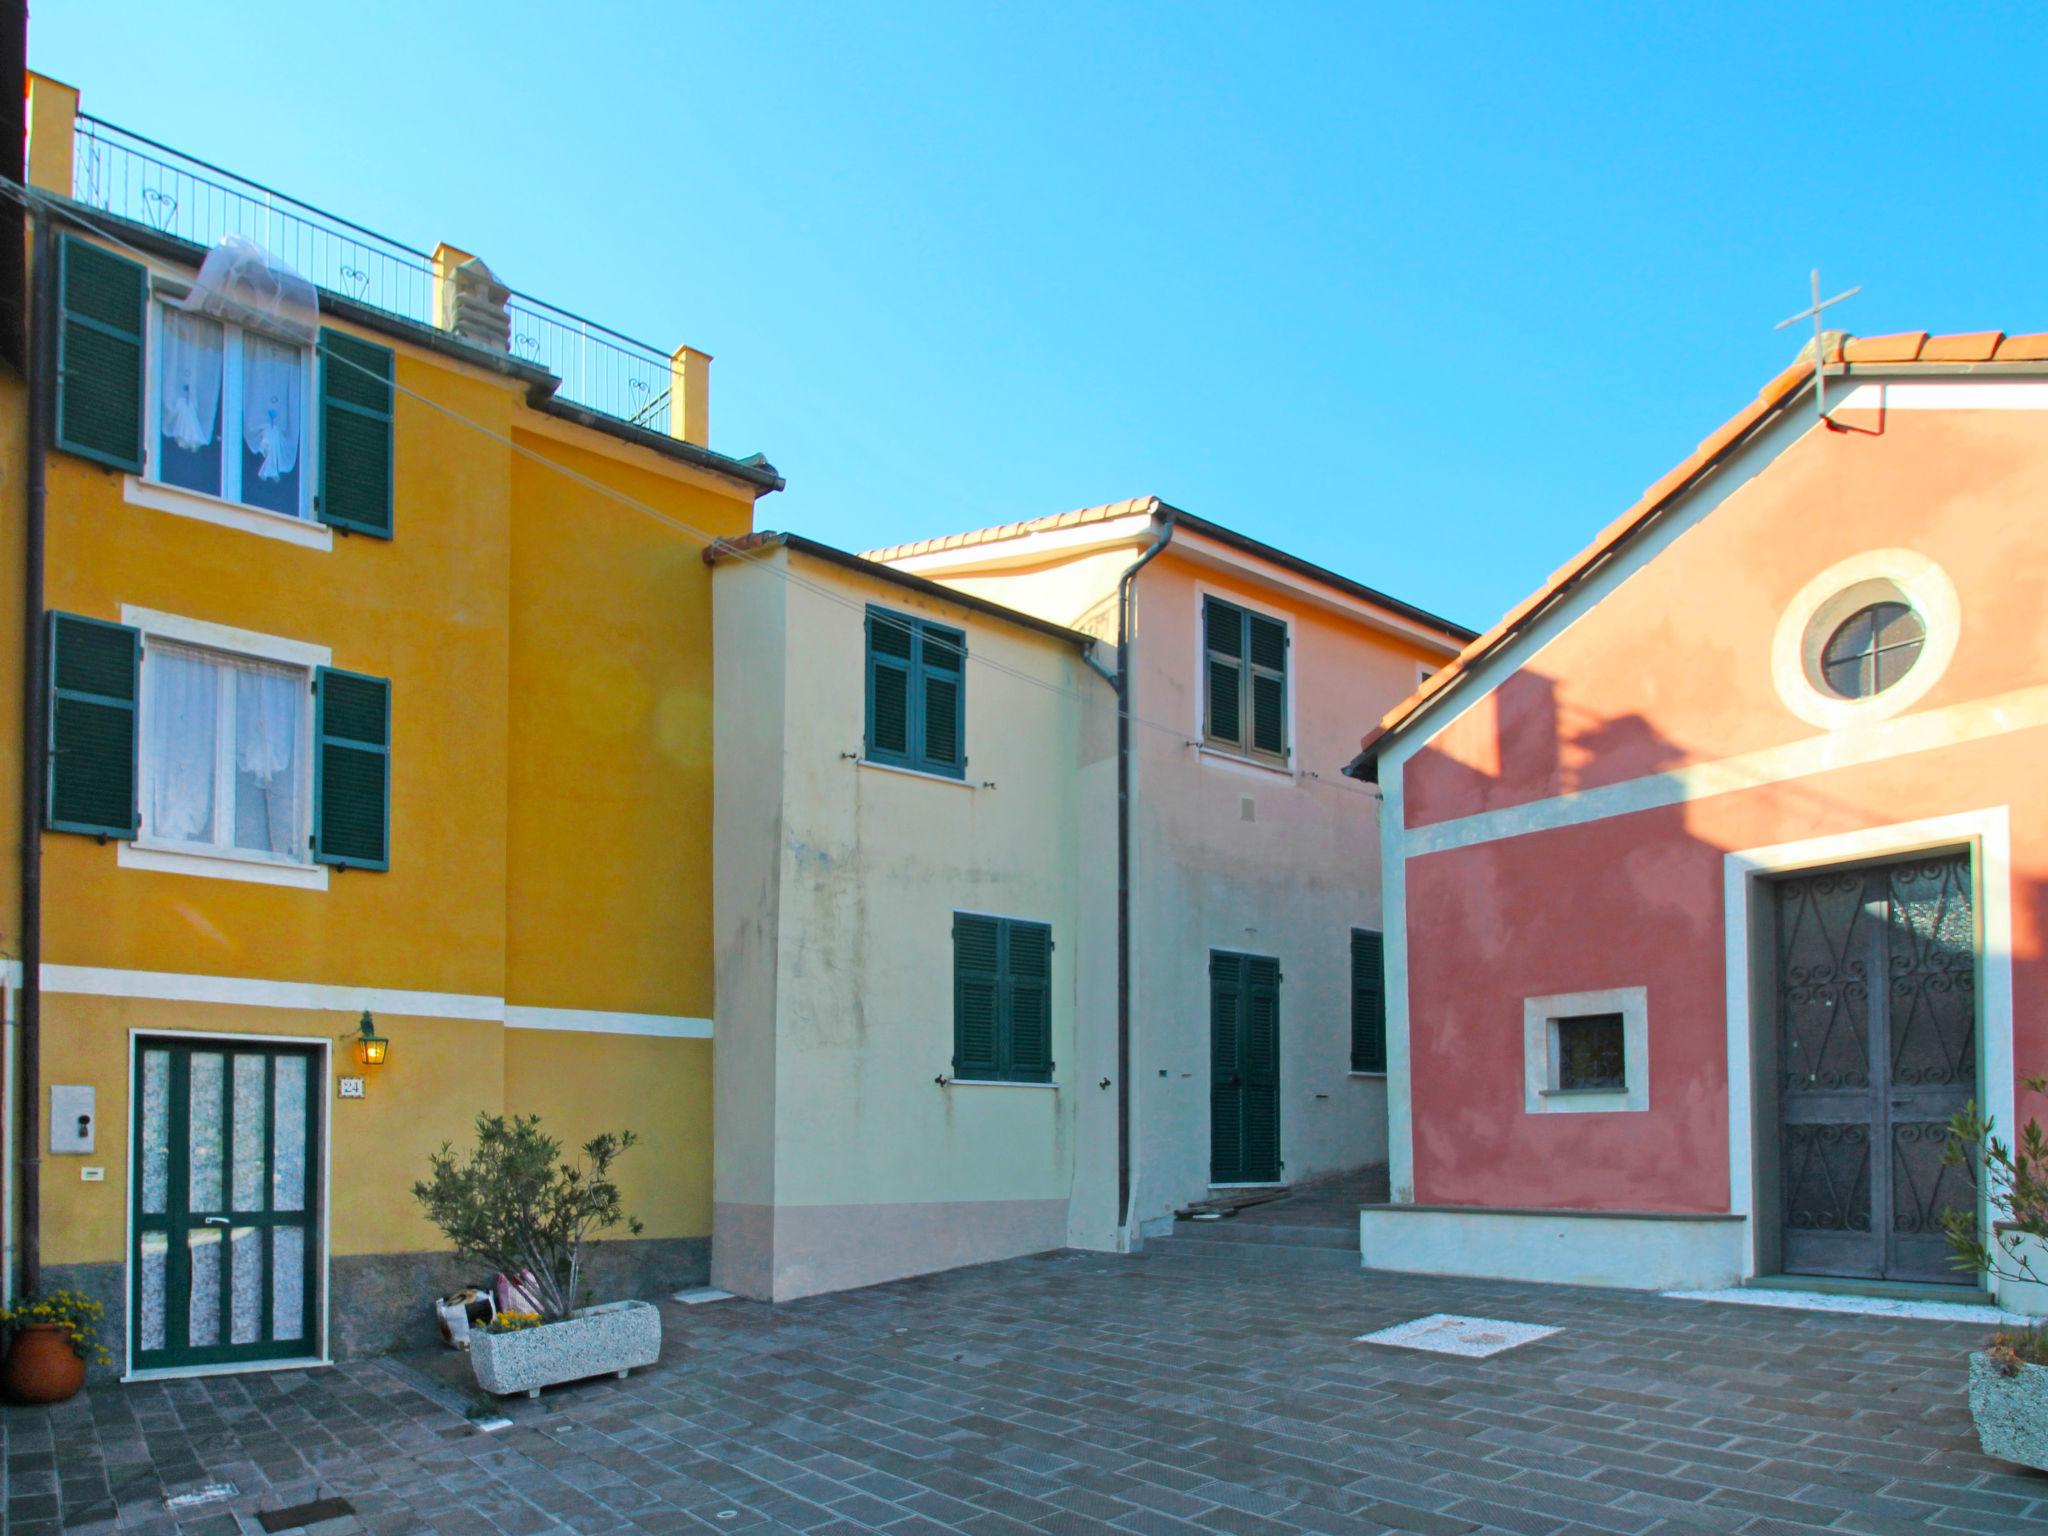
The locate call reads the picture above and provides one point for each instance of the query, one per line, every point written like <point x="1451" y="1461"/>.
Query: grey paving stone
<point x="1180" y="1391"/>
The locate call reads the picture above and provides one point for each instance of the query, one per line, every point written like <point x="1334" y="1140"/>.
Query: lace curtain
<point x="183" y="747"/>
<point x="272" y="372"/>
<point x="189" y="388"/>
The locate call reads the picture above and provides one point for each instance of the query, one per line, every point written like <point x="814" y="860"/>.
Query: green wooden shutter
<point x="1226" y="1070"/>
<point x="356" y="436"/>
<point x="891" y="640"/>
<point x="1261" y="1069"/>
<point x="1368" y="1001"/>
<point x="102" y="300"/>
<point x="942" y="685"/>
<point x="352" y="769"/>
<point x="95" y="673"/>
<point x="1266" y="647"/>
<point x="1223" y="641"/>
<point x="1026" y="1042"/>
<point x="977" y="994"/>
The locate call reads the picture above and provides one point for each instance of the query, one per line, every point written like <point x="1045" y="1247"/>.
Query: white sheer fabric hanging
<point x="271" y="375"/>
<point x="181" y="724"/>
<point x="189" y="388"/>
<point x="267" y="703"/>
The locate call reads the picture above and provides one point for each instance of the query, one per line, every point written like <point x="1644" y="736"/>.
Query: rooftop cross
<point x="1820" y="355"/>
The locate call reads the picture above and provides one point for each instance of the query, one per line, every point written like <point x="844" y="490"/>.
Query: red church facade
<point x="1716" y="874"/>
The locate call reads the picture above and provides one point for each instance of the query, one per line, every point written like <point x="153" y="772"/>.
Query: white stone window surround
<point x="168" y="857"/>
<point x="1541" y="1095"/>
<point x="1812" y="617"/>
<point x="146" y="490"/>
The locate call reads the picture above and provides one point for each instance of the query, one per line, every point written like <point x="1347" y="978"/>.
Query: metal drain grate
<point x="303" y="1514"/>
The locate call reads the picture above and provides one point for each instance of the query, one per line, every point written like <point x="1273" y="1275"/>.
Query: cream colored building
<point x="906" y="777"/>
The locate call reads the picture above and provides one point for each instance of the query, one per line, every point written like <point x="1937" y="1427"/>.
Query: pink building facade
<point x="1716" y="874"/>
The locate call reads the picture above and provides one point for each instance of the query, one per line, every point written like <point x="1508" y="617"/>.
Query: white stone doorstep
<point x="1860" y="1306"/>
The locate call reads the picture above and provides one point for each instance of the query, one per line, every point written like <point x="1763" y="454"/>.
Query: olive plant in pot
<point x="2009" y="1376"/>
<point x="515" y="1203"/>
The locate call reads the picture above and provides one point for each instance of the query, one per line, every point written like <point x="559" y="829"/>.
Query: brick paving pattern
<point x="1193" y="1389"/>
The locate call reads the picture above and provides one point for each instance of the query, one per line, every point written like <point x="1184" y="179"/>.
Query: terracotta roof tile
<point x="1975" y="347"/>
<point x="1902" y="348"/>
<point x="1906" y="347"/>
<point x="1107" y="512"/>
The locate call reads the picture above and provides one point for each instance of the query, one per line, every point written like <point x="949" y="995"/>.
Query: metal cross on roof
<point x="1820" y="354"/>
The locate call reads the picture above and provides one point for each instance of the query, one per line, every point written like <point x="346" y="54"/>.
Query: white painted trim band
<point x="1853" y="747"/>
<point x="327" y="997"/>
<point x="599" y="1022"/>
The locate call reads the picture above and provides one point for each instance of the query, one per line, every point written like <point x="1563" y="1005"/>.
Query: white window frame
<point x="1541" y="1093"/>
<point x="225" y="507"/>
<point x="161" y="631"/>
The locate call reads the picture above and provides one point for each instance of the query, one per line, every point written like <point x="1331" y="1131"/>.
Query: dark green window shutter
<point x="1368" y="1001"/>
<point x="977" y="994"/>
<point x="1262" y="1068"/>
<point x="1266" y="646"/>
<point x="917" y="694"/>
<point x="942" y="681"/>
<point x="1223" y="642"/>
<point x="356" y="437"/>
<point x="351" y="769"/>
<point x="1026" y="1054"/>
<point x="891" y="640"/>
<point x="95" y="672"/>
<point x="102" y="300"/>
<point x="1226" y="1069"/>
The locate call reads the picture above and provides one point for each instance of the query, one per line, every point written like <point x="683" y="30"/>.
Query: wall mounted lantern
<point x="371" y="1047"/>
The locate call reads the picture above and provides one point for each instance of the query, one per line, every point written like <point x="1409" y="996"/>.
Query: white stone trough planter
<point x="2011" y="1412"/>
<point x="615" y="1338"/>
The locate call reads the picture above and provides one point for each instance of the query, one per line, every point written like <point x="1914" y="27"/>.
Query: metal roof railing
<point x="136" y="178"/>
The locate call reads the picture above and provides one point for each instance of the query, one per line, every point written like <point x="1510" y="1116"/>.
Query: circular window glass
<point x="1872" y="649"/>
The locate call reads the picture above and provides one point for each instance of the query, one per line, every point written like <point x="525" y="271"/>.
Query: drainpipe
<point x="1123" y="869"/>
<point x="34" y="763"/>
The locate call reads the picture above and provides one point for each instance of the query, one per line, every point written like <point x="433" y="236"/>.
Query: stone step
<point x="1270" y="1233"/>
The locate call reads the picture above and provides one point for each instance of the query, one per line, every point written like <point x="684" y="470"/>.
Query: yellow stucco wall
<point x="549" y="651"/>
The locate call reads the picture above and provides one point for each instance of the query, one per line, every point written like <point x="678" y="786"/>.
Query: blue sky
<point x="1425" y="293"/>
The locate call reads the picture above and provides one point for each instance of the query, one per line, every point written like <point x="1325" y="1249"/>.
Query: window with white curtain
<point x="230" y="412"/>
<point x="224" y="753"/>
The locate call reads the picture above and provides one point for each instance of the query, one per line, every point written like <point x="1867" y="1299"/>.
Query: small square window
<point x="1590" y="1052"/>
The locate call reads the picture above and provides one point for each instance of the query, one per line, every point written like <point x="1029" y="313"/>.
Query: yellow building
<point x="377" y="677"/>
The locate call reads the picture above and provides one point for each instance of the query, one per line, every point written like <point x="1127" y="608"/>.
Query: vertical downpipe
<point x="1124" y="590"/>
<point x="34" y="759"/>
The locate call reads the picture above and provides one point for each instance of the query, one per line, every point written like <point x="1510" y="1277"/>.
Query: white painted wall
<point x="841" y="1161"/>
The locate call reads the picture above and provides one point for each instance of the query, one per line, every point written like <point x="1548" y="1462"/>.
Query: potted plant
<point x="51" y="1339"/>
<point x="514" y="1203"/>
<point x="2009" y="1377"/>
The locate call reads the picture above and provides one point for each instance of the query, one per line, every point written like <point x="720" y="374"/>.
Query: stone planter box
<point x="616" y="1338"/>
<point x="2011" y="1412"/>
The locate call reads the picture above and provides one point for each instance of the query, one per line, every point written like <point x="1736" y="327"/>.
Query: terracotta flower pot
<point x="42" y="1367"/>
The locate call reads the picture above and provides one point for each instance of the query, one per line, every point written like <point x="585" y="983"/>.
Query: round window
<point x="1872" y="649"/>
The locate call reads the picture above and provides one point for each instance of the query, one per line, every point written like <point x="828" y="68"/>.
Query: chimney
<point x="689" y="402"/>
<point x="52" y="107"/>
<point x="469" y="300"/>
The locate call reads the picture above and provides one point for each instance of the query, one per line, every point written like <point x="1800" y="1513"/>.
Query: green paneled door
<point x="226" y="1198"/>
<point x="1244" y="1069"/>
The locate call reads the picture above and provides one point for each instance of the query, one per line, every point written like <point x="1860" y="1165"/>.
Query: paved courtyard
<point x="1189" y="1390"/>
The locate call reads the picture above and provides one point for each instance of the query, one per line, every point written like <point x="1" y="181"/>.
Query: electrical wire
<point x="728" y="548"/>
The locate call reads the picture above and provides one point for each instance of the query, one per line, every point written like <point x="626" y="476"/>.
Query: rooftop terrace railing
<point x="136" y="178"/>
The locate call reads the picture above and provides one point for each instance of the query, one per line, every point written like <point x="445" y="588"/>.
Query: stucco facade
<point x="1232" y="852"/>
<point x="1624" y="788"/>
<point x="848" y="1152"/>
<point x="540" y="939"/>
